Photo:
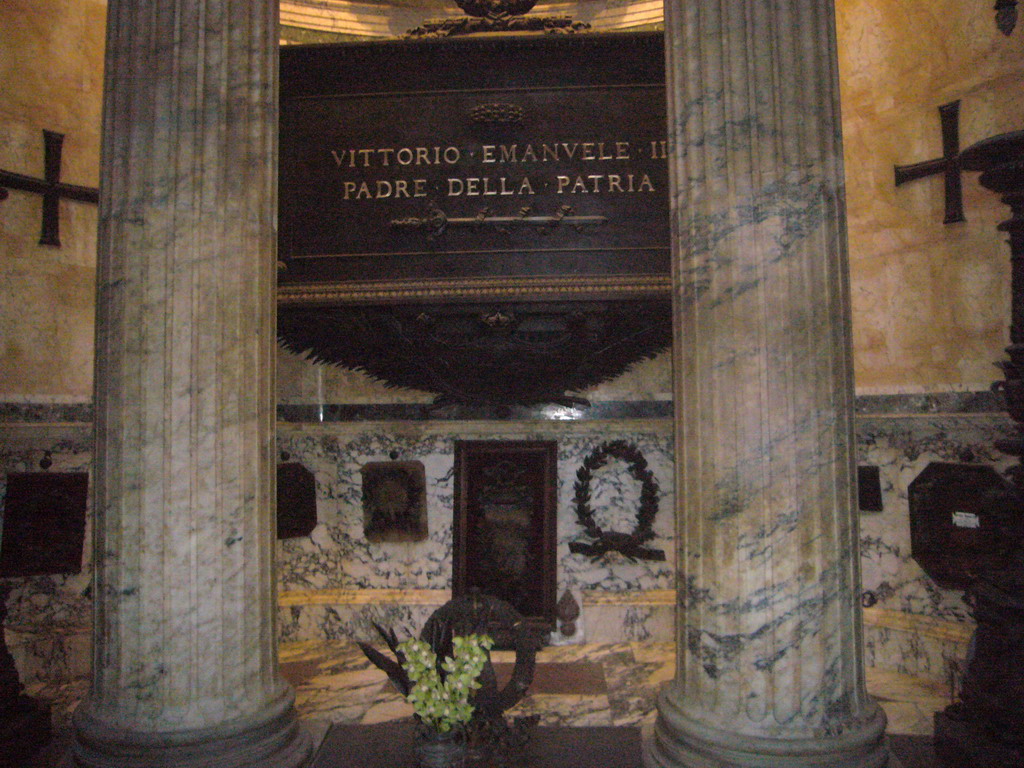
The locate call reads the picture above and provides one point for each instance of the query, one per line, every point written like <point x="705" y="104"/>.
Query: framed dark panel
<point x="394" y="501"/>
<point x="44" y="523"/>
<point x="505" y="523"/>
<point x="296" y="500"/>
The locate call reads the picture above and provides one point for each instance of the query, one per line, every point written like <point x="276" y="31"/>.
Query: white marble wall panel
<point x="629" y="623"/>
<point x="917" y="653"/>
<point x="351" y="622"/>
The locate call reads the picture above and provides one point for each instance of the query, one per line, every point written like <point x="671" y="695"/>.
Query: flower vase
<point x="439" y="750"/>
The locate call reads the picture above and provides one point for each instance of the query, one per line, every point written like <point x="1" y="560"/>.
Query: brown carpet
<point x="584" y="678"/>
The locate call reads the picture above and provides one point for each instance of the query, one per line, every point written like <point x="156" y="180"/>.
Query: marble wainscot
<point x="334" y="583"/>
<point x="912" y="625"/>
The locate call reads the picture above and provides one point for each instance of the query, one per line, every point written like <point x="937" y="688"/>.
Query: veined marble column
<point x="769" y="669"/>
<point x="185" y="664"/>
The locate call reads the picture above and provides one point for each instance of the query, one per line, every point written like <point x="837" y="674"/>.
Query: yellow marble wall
<point x="930" y="301"/>
<point x="51" y="67"/>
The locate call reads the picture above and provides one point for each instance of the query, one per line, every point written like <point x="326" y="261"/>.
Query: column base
<point x="271" y="738"/>
<point x="679" y="741"/>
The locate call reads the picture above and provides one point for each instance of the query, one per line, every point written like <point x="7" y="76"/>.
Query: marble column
<point x="769" y="669"/>
<point x="185" y="663"/>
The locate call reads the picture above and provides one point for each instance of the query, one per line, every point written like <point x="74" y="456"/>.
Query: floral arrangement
<point x="440" y="692"/>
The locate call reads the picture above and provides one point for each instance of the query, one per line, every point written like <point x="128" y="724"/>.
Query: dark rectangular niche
<point x="869" y="488"/>
<point x="43" y="523"/>
<point x="504" y="525"/>
<point x="394" y="501"/>
<point x="296" y="500"/>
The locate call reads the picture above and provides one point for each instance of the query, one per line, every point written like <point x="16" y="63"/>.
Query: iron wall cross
<point x="50" y="187"/>
<point x="948" y="164"/>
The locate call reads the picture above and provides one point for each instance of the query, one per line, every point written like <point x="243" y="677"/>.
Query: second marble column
<point x="769" y="666"/>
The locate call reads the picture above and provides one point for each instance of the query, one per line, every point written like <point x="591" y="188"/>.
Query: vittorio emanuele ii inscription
<point x="520" y="184"/>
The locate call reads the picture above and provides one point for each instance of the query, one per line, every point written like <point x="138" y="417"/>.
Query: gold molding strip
<point x="472" y="288"/>
<point x="647" y="597"/>
<point x="363" y="597"/>
<point x="928" y="626"/>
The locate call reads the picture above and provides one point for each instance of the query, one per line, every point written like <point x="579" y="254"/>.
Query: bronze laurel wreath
<point x="628" y="544"/>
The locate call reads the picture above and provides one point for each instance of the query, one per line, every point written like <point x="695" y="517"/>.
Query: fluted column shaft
<point x="769" y="650"/>
<point x="184" y="668"/>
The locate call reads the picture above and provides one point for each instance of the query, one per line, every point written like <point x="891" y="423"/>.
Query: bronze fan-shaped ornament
<point x="496" y="9"/>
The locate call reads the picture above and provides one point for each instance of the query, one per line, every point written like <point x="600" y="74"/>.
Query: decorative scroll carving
<point x="450" y="27"/>
<point x="497" y="114"/>
<point x="628" y="544"/>
<point x="437" y="222"/>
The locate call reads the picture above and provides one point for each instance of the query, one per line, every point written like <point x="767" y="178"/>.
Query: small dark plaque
<point x="504" y="527"/>
<point x="869" y="488"/>
<point x="394" y="501"/>
<point x="961" y="518"/>
<point x="296" y="501"/>
<point x="44" y="523"/>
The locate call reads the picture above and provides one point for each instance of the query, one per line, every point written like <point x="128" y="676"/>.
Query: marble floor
<point x="592" y="684"/>
<point x="335" y="682"/>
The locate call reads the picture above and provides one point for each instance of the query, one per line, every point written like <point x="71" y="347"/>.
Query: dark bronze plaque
<point x="504" y="527"/>
<point x="472" y="163"/>
<point x="43" y="523"/>
<point x="394" y="501"/>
